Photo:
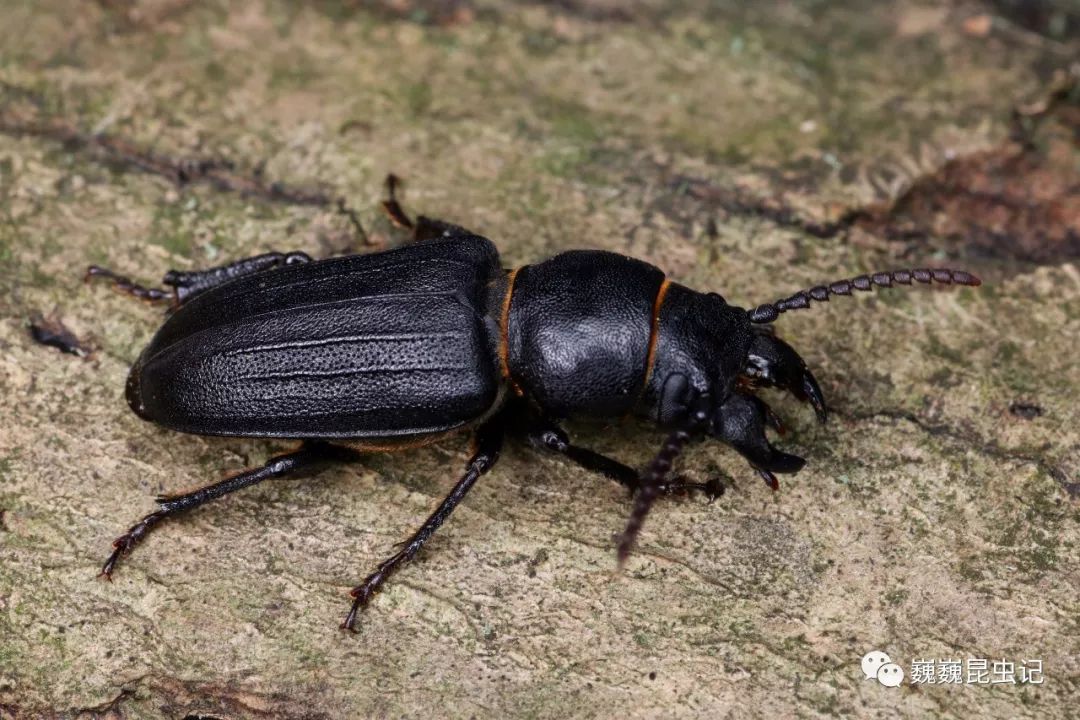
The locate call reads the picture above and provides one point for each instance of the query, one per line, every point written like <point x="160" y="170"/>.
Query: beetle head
<point x="713" y="357"/>
<point x="738" y="418"/>
<point x="770" y="362"/>
<point x="741" y="418"/>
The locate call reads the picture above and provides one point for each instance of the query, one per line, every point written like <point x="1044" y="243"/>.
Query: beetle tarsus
<point x="392" y="207"/>
<point x="424" y="228"/>
<point x="770" y="479"/>
<point x="773" y="420"/>
<point x="123" y="544"/>
<point x="712" y="488"/>
<point x="126" y="286"/>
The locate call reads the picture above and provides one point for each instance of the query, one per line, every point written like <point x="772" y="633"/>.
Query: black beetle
<point x="399" y="348"/>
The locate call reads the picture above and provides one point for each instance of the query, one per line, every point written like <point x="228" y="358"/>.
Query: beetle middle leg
<point x="489" y="439"/>
<point x="306" y="457"/>
<point x="184" y="285"/>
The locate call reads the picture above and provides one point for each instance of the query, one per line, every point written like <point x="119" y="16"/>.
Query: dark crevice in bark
<point x="218" y="173"/>
<point x="1019" y="201"/>
<point x="989" y="448"/>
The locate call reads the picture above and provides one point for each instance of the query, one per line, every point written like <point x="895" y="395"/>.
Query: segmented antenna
<point x="770" y="311"/>
<point x="650" y="490"/>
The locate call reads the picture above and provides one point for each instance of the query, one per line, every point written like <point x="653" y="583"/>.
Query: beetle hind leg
<point x="127" y="286"/>
<point x="392" y="208"/>
<point x="489" y="438"/>
<point x="188" y="284"/>
<point x="306" y="457"/>
<point x="181" y="285"/>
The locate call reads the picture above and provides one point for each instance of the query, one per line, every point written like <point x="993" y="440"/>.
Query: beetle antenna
<point x="770" y="311"/>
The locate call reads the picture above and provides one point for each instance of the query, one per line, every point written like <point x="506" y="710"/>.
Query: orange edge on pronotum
<point x="504" y="331"/>
<point x="654" y="332"/>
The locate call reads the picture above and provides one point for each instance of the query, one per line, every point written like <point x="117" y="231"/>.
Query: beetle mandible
<point x="399" y="348"/>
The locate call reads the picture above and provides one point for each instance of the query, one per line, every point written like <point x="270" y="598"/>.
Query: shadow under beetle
<point x="399" y="348"/>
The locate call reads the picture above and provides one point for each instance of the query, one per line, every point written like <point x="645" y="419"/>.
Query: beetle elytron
<point x="398" y="348"/>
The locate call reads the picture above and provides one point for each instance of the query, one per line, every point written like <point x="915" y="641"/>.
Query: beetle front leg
<point x="184" y="285"/>
<point x="489" y="439"/>
<point x="309" y="455"/>
<point x="546" y="434"/>
<point x="678" y="400"/>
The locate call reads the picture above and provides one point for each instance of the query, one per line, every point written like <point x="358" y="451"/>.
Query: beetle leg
<point x="432" y="229"/>
<point x="694" y="414"/>
<point x="309" y="454"/>
<point x="424" y="228"/>
<point x="129" y="287"/>
<point x="489" y="440"/>
<point x="184" y="285"/>
<point x="392" y="207"/>
<point x="548" y="435"/>
<point x="187" y="285"/>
